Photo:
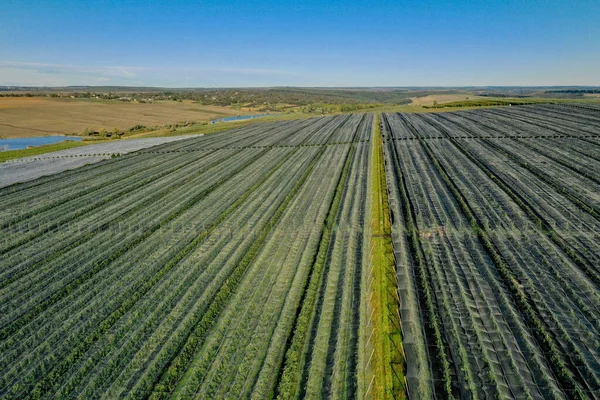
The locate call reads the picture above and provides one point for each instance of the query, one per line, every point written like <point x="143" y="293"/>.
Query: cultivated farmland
<point x="35" y="116"/>
<point x="442" y="255"/>
<point x="496" y="237"/>
<point x="221" y="266"/>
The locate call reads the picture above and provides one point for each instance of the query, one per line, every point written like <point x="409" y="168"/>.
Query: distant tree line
<point x="117" y="133"/>
<point x="266" y="99"/>
<point x="322" y="108"/>
<point x="485" y="102"/>
<point x="575" y="91"/>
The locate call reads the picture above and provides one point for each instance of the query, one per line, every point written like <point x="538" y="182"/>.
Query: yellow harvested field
<point x="37" y="116"/>
<point x="443" y="98"/>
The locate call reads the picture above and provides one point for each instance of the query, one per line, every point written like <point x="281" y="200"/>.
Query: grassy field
<point x="388" y="364"/>
<point x="11" y="155"/>
<point x="38" y="116"/>
<point x="442" y="98"/>
<point x="221" y="126"/>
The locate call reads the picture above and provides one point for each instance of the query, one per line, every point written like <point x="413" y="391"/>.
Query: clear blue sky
<point x="300" y="43"/>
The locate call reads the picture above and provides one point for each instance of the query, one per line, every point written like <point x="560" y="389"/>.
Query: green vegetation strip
<point x="389" y="361"/>
<point x="493" y="102"/>
<point x="536" y="325"/>
<point x="14" y="154"/>
<point x="206" y="129"/>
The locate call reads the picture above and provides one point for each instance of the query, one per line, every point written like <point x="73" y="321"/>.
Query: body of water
<point x="238" y="118"/>
<point x="23" y="143"/>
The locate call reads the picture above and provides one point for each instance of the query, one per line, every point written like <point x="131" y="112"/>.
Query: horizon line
<point x="297" y="87"/>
